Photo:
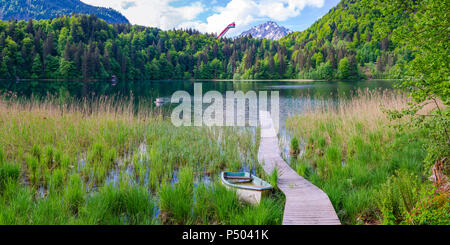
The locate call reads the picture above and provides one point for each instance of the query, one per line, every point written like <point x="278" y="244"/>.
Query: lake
<point x="293" y="95"/>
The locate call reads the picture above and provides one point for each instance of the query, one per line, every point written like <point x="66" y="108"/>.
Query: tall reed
<point x="351" y="148"/>
<point x="109" y="161"/>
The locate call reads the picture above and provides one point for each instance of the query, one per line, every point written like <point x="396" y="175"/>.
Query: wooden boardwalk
<point x="306" y="204"/>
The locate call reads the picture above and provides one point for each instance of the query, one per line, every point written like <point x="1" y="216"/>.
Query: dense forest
<point x="46" y="9"/>
<point x="349" y="41"/>
<point x="341" y="45"/>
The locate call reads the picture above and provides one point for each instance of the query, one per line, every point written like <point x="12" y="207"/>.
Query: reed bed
<point x="352" y="150"/>
<point x="110" y="161"/>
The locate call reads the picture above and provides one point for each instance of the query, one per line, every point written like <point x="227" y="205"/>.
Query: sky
<point x="213" y="16"/>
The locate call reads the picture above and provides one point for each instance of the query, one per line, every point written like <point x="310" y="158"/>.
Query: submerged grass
<point x="120" y="203"/>
<point x="103" y="161"/>
<point x="352" y="149"/>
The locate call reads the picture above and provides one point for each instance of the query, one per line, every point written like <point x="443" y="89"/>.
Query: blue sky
<point x="213" y="15"/>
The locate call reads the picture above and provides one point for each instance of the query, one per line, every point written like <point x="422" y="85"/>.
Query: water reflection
<point x="294" y="95"/>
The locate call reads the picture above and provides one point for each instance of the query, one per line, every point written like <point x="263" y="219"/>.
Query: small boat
<point x="249" y="188"/>
<point x="159" y="102"/>
<point x="113" y="80"/>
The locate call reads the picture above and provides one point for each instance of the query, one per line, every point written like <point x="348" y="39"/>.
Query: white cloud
<point x="155" y="13"/>
<point x="246" y="12"/>
<point x="159" y="13"/>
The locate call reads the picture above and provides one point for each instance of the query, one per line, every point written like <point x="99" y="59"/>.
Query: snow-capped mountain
<point x="269" y="30"/>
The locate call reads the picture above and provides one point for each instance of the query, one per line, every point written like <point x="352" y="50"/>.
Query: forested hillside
<point x="46" y="9"/>
<point x="344" y="44"/>
<point x="87" y="47"/>
<point x="348" y="42"/>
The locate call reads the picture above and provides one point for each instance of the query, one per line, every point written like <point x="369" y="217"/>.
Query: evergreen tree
<point x="36" y="70"/>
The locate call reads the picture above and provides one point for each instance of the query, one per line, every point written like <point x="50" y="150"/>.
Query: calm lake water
<point x="294" y="95"/>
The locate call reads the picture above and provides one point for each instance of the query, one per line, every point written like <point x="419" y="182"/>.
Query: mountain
<point x="46" y="9"/>
<point x="268" y="30"/>
<point x="350" y="41"/>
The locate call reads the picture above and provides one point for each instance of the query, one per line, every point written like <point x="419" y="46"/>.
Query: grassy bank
<point x="372" y="170"/>
<point x="104" y="162"/>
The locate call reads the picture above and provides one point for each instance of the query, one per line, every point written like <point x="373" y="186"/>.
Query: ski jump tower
<point x="232" y="25"/>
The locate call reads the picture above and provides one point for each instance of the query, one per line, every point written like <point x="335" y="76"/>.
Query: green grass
<point x="176" y="200"/>
<point x="122" y="203"/>
<point x="104" y="162"/>
<point x="181" y="203"/>
<point x="351" y="153"/>
<point x="273" y="179"/>
<point x="8" y="172"/>
<point x="294" y="146"/>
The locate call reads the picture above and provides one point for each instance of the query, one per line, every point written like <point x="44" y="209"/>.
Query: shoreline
<point x="193" y="80"/>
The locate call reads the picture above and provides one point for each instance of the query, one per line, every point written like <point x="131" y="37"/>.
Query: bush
<point x="397" y="197"/>
<point x="433" y="208"/>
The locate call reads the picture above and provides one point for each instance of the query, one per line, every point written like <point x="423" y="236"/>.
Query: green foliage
<point x="351" y="154"/>
<point x="2" y="156"/>
<point x="268" y="212"/>
<point x="8" y="172"/>
<point x="325" y="71"/>
<point x="403" y="200"/>
<point x="354" y="31"/>
<point x="101" y="172"/>
<point x="176" y="200"/>
<point x="119" y="203"/>
<point x="74" y="193"/>
<point x="36" y="68"/>
<point x="433" y="208"/>
<point x="180" y="203"/>
<point x="398" y="197"/>
<point x="86" y="47"/>
<point x="215" y="204"/>
<point x="426" y="77"/>
<point x="294" y="145"/>
<point x="343" y="69"/>
<point x="273" y="178"/>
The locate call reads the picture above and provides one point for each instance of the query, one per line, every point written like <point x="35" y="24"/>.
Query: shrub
<point x="433" y="208"/>
<point x="397" y="197"/>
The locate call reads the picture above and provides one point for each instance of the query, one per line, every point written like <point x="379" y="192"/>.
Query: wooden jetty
<point x="306" y="204"/>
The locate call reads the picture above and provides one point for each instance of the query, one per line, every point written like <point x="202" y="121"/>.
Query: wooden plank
<point x="306" y="204"/>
